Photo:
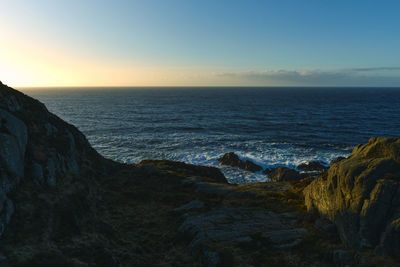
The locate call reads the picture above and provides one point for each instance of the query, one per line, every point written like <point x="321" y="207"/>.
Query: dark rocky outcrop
<point x="313" y="167"/>
<point x="36" y="144"/>
<point x="280" y="174"/>
<point x="233" y="160"/>
<point x="361" y="194"/>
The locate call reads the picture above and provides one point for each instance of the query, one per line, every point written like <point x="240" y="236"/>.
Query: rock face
<point x="280" y="174"/>
<point x="13" y="140"/>
<point x="233" y="160"/>
<point x="361" y="194"/>
<point x="36" y="144"/>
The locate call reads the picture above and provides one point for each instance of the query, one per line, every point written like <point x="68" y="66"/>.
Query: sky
<point x="199" y="43"/>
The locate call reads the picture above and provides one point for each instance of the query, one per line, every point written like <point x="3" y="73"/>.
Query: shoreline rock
<point x="233" y="160"/>
<point x="281" y="173"/>
<point x="313" y="167"/>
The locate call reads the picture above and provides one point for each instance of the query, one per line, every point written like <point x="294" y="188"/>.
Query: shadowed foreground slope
<point x="65" y="205"/>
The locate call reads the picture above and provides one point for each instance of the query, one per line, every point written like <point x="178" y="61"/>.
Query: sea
<point x="271" y="126"/>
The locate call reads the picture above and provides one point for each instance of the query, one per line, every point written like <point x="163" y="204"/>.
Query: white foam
<point x="273" y="156"/>
<point x="271" y="159"/>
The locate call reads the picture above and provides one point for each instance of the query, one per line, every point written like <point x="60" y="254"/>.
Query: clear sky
<point x="199" y="43"/>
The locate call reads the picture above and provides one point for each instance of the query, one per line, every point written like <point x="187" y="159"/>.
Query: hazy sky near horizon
<point x="200" y="43"/>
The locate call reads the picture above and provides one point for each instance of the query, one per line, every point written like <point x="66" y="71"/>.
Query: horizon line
<point x="201" y="86"/>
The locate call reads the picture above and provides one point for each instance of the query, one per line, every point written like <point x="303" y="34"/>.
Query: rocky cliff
<point x="361" y="194"/>
<point x="37" y="145"/>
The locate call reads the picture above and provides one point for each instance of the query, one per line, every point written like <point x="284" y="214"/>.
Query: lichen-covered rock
<point x="361" y="194"/>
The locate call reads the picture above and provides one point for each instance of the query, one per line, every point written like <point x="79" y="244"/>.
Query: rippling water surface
<point x="271" y="126"/>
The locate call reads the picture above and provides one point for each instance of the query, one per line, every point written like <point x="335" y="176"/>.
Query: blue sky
<point x="176" y="42"/>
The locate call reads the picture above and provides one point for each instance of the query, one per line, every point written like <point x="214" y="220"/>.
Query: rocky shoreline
<point x="277" y="174"/>
<point x="63" y="204"/>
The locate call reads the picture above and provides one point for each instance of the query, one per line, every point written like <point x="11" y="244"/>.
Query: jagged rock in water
<point x="233" y="160"/>
<point x="313" y="167"/>
<point x="280" y="174"/>
<point x="361" y="194"/>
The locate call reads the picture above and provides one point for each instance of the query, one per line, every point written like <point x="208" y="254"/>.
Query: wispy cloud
<point x="342" y="77"/>
<point x="375" y="69"/>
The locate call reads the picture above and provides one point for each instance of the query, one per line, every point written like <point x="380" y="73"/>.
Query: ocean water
<point x="270" y="126"/>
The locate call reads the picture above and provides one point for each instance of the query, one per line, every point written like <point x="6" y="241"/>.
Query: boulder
<point x="361" y="195"/>
<point x="313" y="167"/>
<point x="281" y="174"/>
<point x="233" y="160"/>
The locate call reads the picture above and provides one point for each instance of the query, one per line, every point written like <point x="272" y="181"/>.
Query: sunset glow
<point x="132" y="43"/>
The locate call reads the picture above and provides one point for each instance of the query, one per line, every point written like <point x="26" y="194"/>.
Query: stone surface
<point x="233" y="160"/>
<point x="361" y="194"/>
<point x="235" y="225"/>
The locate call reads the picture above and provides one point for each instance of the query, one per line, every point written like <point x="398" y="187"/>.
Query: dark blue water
<point x="271" y="126"/>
